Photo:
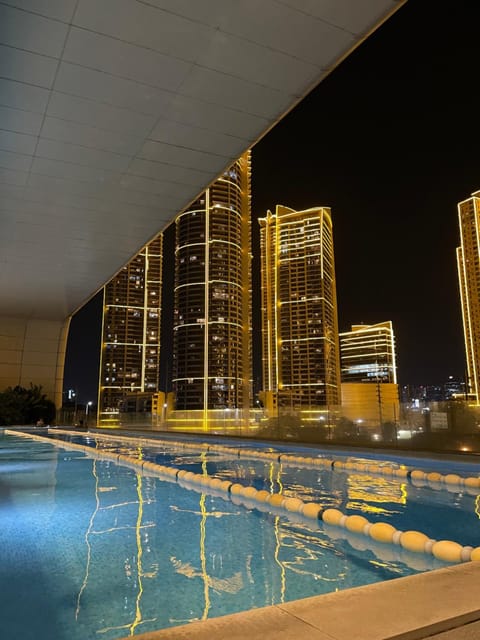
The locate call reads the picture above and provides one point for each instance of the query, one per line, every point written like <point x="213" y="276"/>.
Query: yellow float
<point x="249" y="492"/>
<point x="312" y="510"/>
<point x="236" y="489"/>
<point x="452" y="478"/>
<point x="418" y="475"/>
<point x="276" y="499"/>
<point x="413" y="541"/>
<point x="262" y="495"/>
<point x="356" y="523"/>
<point x="293" y="504"/>
<point x="447" y="551"/>
<point x="474" y="483"/>
<point x="332" y="516"/>
<point x="475" y="554"/>
<point x="382" y="532"/>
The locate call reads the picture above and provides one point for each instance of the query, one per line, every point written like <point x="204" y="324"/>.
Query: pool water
<point x="92" y="549"/>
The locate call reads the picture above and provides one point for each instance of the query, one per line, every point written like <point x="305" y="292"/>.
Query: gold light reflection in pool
<point x="138" y="612"/>
<point x="228" y="585"/>
<point x="87" y="540"/>
<point x="203" y="559"/>
<point x="138" y="619"/>
<point x="275" y="477"/>
<point x="276" y="525"/>
<point x="367" y="494"/>
<point x="390" y="566"/>
<point x="303" y="548"/>
<point x="308" y="544"/>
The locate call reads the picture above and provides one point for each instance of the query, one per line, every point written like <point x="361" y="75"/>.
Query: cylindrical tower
<point x="212" y="357"/>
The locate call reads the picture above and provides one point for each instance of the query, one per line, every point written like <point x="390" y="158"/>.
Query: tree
<point x="25" y="406"/>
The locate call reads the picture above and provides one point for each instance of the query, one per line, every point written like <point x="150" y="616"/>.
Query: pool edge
<point x="408" y="608"/>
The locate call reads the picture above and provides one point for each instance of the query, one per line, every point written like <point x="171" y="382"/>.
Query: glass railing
<point x="434" y="427"/>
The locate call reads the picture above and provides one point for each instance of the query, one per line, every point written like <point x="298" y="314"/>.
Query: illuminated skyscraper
<point x="369" y="374"/>
<point x="212" y="353"/>
<point x="468" y="263"/>
<point x="130" y="353"/>
<point x="300" y="353"/>
<point x="368" y="353"/>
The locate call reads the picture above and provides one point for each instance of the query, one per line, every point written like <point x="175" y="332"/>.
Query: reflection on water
<point x="232" y="584"/>
<point x="375" y="495"/>
<point x="123" y="552"/>
<point x="116" y="522"/>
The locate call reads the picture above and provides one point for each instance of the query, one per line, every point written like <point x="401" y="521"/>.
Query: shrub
<point x="25" y="406"/>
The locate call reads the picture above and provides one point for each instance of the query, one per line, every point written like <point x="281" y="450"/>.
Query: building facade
<point x="468" y="265"/>
<point x="130" y="348"/>
<point x="368" y="353"/>
<point x="369" y="374"/>
<point x="300" y="352"/>
<point x="212" y="297"/>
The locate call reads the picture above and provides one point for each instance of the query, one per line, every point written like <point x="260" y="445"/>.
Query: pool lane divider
<point x="416" y="477"/>
<point x="382" y="532"/>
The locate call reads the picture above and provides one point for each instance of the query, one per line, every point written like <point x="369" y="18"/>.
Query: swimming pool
<point x="93" y="549"/>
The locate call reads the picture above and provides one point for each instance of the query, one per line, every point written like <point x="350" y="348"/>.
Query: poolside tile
<point x="438" y="605"/>
<point x="466" y="632"/>
<point x="269" y="623"/>
<point x="408" y="608"/>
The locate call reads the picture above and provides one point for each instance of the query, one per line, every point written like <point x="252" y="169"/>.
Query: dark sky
<point x="388" y="141"/>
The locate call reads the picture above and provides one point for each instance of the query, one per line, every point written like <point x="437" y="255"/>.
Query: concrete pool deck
<point x="443" y="604"/>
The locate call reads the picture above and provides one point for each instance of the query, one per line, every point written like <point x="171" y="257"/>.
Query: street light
<point x="359" y="422"/>
<point x="87" y="407"/>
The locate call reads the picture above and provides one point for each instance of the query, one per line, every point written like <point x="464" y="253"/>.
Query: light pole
<point x="359" y="422"/>
<point x="87" y="407"/>
<point x="75" y="398"/>
<point x="164" y="412"/>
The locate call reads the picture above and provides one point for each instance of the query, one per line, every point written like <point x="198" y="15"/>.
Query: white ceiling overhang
<point x="116" y="114"/>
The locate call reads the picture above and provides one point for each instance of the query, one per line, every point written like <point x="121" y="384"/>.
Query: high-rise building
<point x="300" y="354"/>
<point x="468" y="264"/>
<point x="212" y="310"/>
<point x="369" y="374"/>
<point x="367" y="353"/>
<point x="130" y="350"/>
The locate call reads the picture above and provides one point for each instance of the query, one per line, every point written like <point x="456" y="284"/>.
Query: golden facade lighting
<point x="368" y="354"/>
<point x="369" y="374"/>
<point x="212" y="353"/>
<point x="130" y="356"/>
<point x="468" y="265"/>
<point x="300" y="354"/>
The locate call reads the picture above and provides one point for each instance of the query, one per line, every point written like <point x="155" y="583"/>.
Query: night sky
<point x="389" y="142"/>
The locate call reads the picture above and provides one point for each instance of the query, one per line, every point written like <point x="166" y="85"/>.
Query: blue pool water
<point x="92" y="549"/>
